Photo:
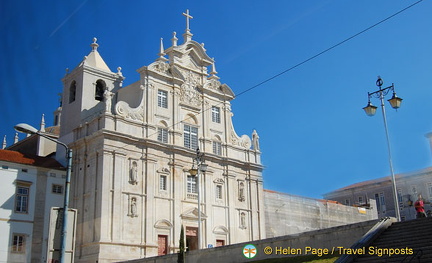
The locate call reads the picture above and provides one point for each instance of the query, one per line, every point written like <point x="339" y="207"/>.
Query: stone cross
<point x="187" y="19"/>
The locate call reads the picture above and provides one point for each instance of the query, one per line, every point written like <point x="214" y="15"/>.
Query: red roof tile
<point x="24" y="158"/>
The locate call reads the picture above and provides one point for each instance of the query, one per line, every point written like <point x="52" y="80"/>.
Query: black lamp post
<point x="201" y="167"/>
<point x="370" y="110"/>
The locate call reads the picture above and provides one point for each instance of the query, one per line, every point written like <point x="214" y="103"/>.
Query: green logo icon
<point x="249" y="251"/>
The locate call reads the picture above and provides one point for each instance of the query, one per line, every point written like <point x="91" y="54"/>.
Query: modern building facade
<point x="133" y="149"/>
<point x="31" y="186"/>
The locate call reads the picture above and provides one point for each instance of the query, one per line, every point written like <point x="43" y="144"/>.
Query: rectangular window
<point x="218" y="191"/>
<point x="217" y="148"/>
<point x="192" y="184"/>
<point x="400" y="197"/>
<point x="21" y="199"/>
<point x="57" y="189"/>
<point x="347" y="202"/>
<point x="18" y="243"/>
<point x="377" y="201"/>
<point x="215" y="114"/>
<point x="380" y="199"/>
<point x="360" y="200"/>
<point x="163" y="99"/>
<point x="163" y="135"/>
<point x="190" y="137"/>
<point x="163" y="182"/>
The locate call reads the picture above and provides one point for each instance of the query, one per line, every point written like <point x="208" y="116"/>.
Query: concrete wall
<point x="288" y="214"/>
<point x="341" y="236"/>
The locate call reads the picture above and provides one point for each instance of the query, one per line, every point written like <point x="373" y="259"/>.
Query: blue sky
<point x="313" y="132"/>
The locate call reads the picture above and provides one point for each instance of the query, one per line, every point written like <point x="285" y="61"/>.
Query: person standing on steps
<point x="419" y="207"/>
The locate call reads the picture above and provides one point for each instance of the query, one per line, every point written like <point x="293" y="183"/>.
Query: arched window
<point x="99" y="90"/>
<point x="163" y="132"/>
<point x="72" y="91"/>
<point x="217" y="145"/>
<point x="190" y="132"/>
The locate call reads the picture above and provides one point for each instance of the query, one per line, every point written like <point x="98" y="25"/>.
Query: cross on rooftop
<point x="187" y="19"/>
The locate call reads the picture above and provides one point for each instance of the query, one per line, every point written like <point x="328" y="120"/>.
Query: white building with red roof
<point x="31" y="186"/>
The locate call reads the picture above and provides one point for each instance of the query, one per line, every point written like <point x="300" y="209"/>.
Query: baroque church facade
<point x="133" y="147"/>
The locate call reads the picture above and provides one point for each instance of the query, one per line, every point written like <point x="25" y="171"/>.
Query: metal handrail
<point x="367" y="238"/>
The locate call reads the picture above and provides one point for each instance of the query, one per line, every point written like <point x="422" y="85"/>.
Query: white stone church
<point x="133" y="149"/>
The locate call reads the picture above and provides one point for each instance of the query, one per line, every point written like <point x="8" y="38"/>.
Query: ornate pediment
<point x="163" y="170"/>
<point x="192" y="214"/>
<point x="163" y="224"/>
<point x="221" y="230"/>
<point x="218" y="181"/>
<point x="198" y="53"/>
<point x="214" y="86"/>
<point x="190" y="56"/>
<point x="160" y="67"/>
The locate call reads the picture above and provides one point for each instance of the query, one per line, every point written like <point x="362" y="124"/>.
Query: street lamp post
<point x="370" y="110"/>
<point x="201" y="167"/>
<point x="25" y="128"/>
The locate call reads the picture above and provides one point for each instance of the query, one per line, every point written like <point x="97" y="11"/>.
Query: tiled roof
<point x="29" y="159"/>
<point x="382" y="180"/>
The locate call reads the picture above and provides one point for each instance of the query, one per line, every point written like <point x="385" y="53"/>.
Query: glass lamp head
<point x="370" y="109"/>
<point x="193" y="171"/>
<point x="395" y="101"/>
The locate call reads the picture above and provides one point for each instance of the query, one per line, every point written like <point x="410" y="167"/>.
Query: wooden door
<point x="220" y="242"/>
<point x="162" y="245"/>
<point x="191" y="238"/>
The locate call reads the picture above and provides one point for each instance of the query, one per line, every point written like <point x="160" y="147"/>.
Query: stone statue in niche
<point x="255" y="141"/>
<point x="133" y="208"/>
<point x="242" y="220"/>
<point x="107" y="98"/>
<point x="241" y="195"/>
<point x="133" y="177"/>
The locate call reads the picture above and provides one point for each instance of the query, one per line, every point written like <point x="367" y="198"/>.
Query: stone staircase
<point x="414" y="234"/>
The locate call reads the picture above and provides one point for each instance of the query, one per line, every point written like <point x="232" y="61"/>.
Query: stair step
<point x="415" y="234"/>
<point x="404" y="240"/>
<point x="395" y="258"/>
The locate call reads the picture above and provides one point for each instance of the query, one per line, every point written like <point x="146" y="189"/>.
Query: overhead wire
<point x="302" y="62"/>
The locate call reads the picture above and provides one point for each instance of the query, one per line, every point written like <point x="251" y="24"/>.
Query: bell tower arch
<point x="83" y="91"/>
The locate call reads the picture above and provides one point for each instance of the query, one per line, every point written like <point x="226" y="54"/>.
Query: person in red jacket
<point x="419" y="207"/>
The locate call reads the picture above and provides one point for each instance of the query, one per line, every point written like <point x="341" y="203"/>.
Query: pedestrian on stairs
<point x="419" y="207"/>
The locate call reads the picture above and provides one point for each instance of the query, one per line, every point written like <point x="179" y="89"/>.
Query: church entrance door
<point x="162" y="245"/>
<point x="191" y="238"/>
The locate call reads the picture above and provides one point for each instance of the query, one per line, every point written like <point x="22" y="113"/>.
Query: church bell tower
<point x="84" y="89"/>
